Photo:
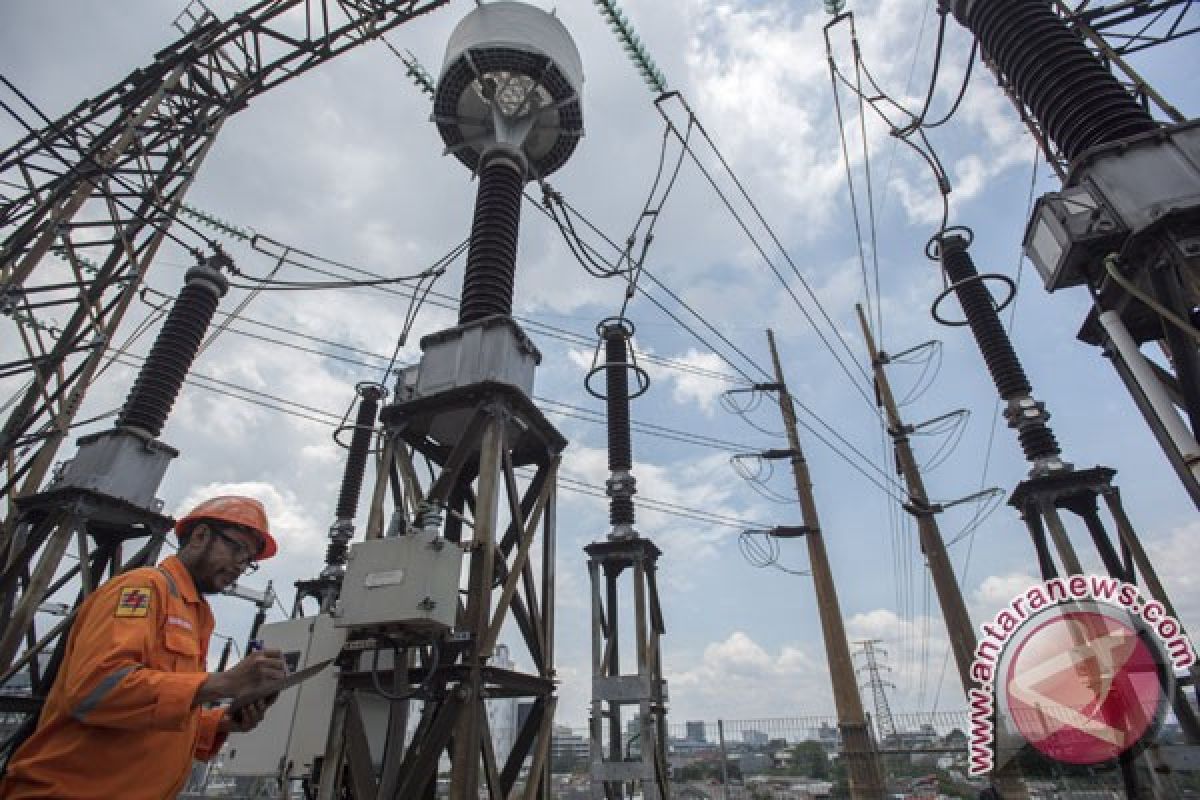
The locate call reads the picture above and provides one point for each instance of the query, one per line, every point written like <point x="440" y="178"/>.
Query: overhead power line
<point x="371" y="360"/>
<point x="292" y="408"/>
<point x="296" y="257"/>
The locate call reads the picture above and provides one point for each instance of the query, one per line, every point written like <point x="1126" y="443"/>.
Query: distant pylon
<point x="871" y="652"/>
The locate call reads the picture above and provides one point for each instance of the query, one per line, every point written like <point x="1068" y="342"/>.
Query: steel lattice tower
<point x="91" y="196"/>
<point x="871" y="651"/>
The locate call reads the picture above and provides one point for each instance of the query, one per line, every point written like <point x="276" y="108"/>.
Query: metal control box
<point x="401" y="582"/>
<point x="119" y="464"/>
<point x="295" y="727"/>
<point x="489" y="349"/>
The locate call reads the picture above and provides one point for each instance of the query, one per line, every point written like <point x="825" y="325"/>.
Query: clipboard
<point x="275" y="687"/>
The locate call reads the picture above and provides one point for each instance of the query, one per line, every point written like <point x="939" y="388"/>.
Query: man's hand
<point x="244" y="719"/>
<point x="264" y="666"/>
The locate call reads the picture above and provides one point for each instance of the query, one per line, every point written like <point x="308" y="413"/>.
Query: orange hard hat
<point x="245" y="512"/>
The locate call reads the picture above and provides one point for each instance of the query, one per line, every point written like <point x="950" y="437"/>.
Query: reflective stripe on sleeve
<point x="102" y="690"/>
<point x="171" y="587"/>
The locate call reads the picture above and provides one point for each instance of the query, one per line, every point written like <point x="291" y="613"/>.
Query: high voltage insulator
<point x="1077" y="101"/>
<point x="162" y="375"/>
<point x="415" y="70"/>
<point x="509" y="113"/>
<point x="216" y="223"/>
<point x="1023" y="413"/>
<point x="492" y="257"/>
<point x="835" y="7"/>
<point x="352" y="477"/>
<point x="615" y="334"/>
<point x="632" y="45"/>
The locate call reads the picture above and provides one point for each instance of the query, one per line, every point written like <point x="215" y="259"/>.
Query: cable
<point x="560" y="408"/>
<point x="953" y="430"/>
<point x="802" y="406"/>
<point x="931" y="368"/>
<point x="862" y="121"/>
<point x="759" y="477"/>
<point x="761" y="550"/>
<point x="448" y="302"/>
<point x="642" y="270"/>
<point x="771" y="264"/>
<point x="962" y="92"/>
<point x="422" y="688"/>
<point x="323" y="417"/>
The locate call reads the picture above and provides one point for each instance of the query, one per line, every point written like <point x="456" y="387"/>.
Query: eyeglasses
<point x="242" y="554"/>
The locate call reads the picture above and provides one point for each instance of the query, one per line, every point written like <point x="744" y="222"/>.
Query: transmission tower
<point x="615" y="769"/>
<point x="1125" y="223"/>
<point x="91" y="196"/>
<point x="871" y="652"/>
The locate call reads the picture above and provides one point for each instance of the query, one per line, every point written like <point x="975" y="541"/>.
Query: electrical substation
<point x="459" y="615"/>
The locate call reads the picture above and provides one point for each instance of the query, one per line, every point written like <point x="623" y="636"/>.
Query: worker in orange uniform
<point x="127" y="713"/>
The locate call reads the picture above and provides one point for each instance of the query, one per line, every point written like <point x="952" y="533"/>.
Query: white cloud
<point x="997" y="591"/>
<point x="688" y="387"/>
<point x="1177" y="575"/>
<point x="738" y="678"/>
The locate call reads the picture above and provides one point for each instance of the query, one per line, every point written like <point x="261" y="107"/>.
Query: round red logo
<point x="1083" y="686"/>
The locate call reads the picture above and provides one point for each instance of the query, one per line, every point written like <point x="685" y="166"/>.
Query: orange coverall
<point x="119" y="721"/>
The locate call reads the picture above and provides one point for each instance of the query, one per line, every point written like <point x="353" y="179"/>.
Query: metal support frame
<point x="47" y="525"/>
<point x="502" y="523"/>
<point x="1039" y="500"/>
<point x="100" y="186"/>
<point x="617" y="772"/>
<point x="1153" y="392"/>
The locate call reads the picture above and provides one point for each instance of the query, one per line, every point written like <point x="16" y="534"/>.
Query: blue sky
<point x="344" y="163"/>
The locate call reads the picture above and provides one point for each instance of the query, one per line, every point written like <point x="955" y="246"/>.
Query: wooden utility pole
<point x="858" y="750"/>
<point x="933" y="546"/>
<point x="954" y="609"/>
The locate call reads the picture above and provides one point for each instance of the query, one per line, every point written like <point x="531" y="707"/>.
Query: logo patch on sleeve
<point x="134" y="602"/>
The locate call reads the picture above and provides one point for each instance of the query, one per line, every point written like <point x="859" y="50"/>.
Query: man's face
<point x="218" y="555"/>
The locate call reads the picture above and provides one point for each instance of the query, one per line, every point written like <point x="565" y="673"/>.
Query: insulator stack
<point x="620" y="442"/>
<point x="161" y="377"/>
<point x="1023" y="413"/>
<point x="1078" y="102"/>
<point x="492" y="256"/>
<point x="352" y="476"/>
